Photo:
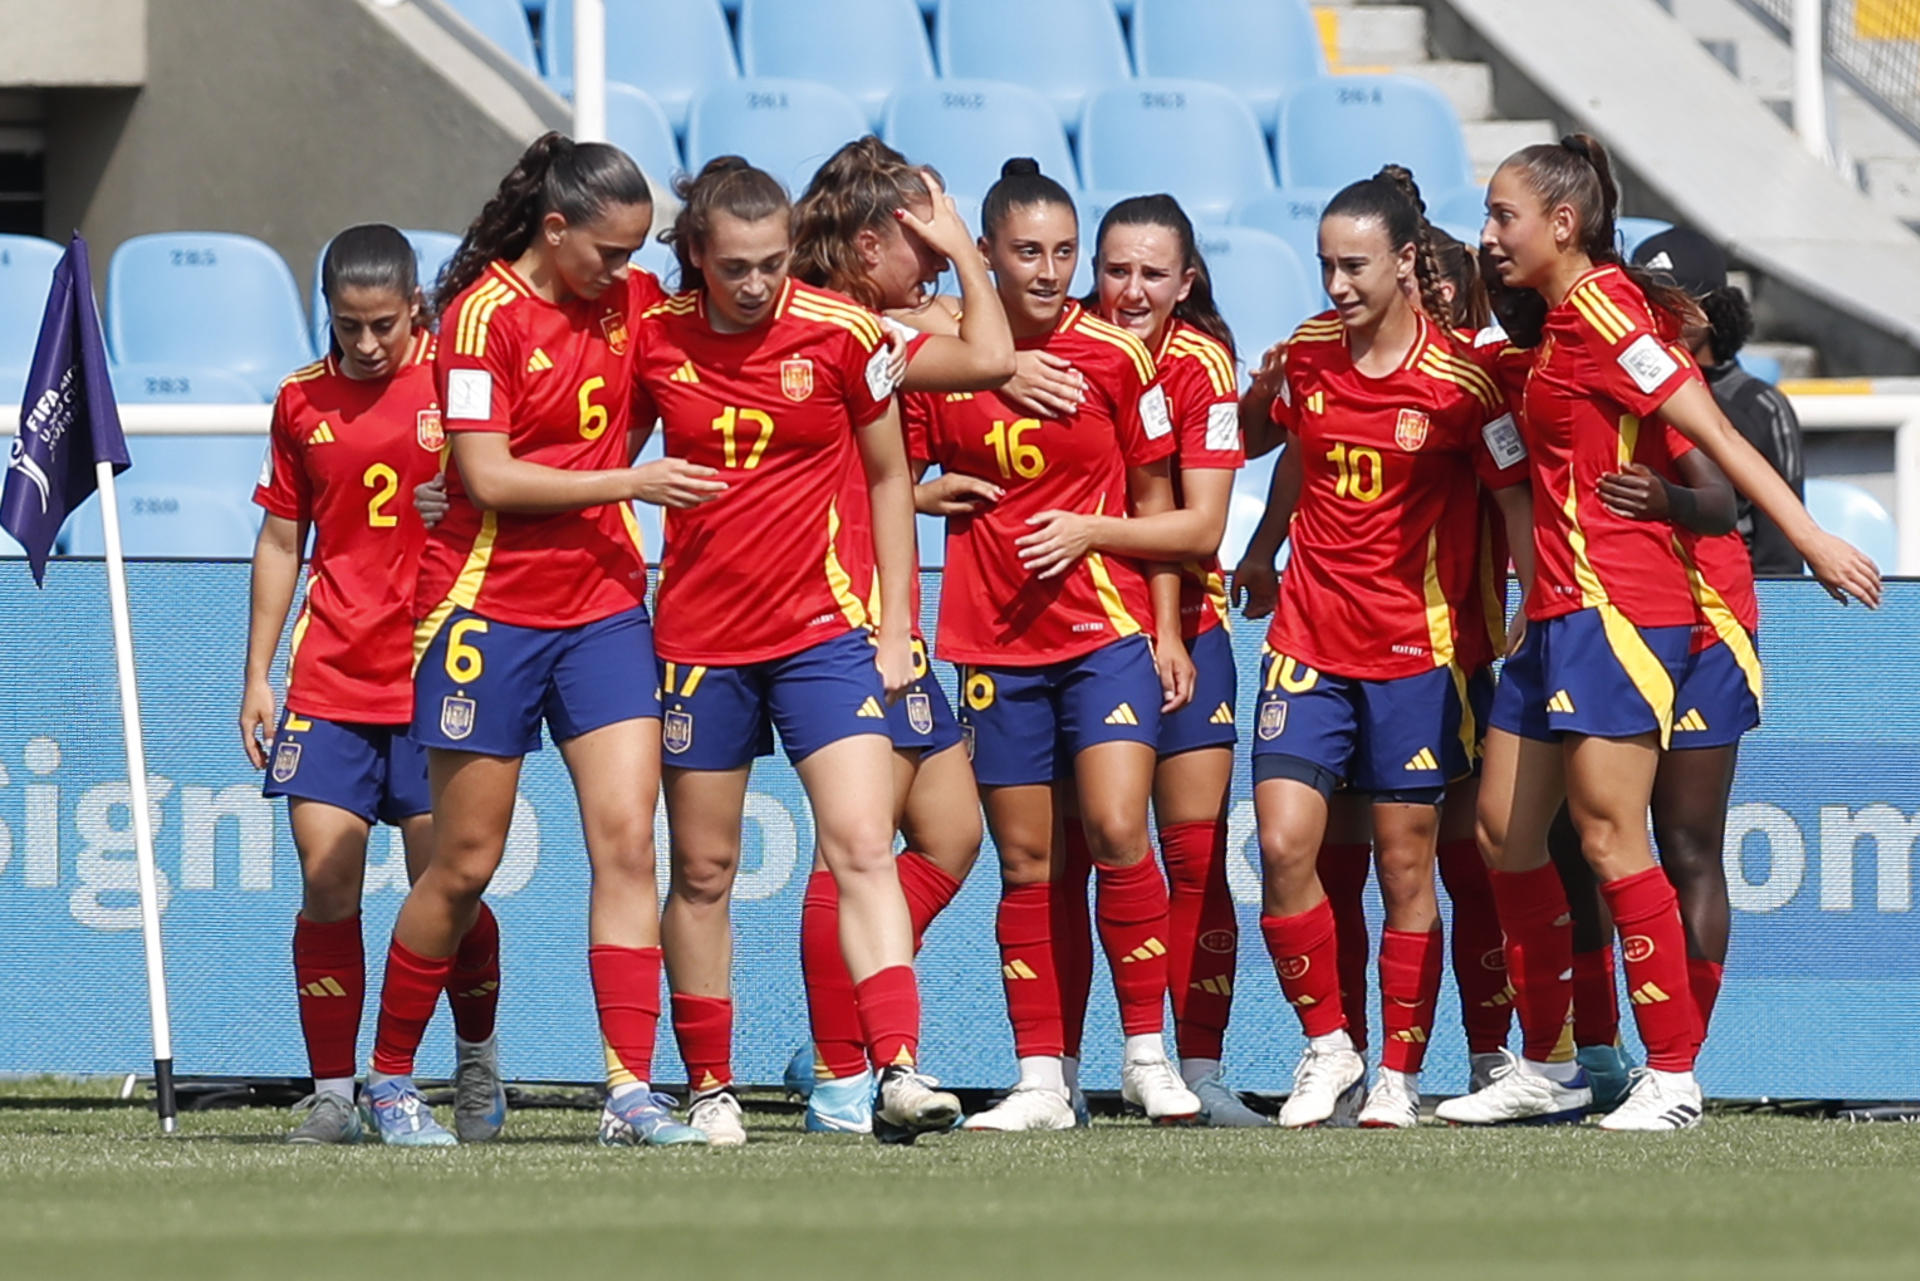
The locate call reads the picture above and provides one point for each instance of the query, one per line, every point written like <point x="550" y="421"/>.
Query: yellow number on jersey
<point x="464" y="663"/>
<point x="381" y="479"/>
<point x="1361" y="475"/>
<point x="1016" y="459"/>
<point x="729" y="422"/>
<point x="593" y="418"/>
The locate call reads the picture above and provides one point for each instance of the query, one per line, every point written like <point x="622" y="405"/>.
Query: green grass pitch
<point x="95" y="1191"/>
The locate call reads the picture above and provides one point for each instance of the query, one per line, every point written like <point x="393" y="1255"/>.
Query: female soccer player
<point x="879" y="230"/>
<point x="352" y="435"/>
<point x="1392" y="424"/>
<point x="1059" y="679"/>
<point x="531" y="591"/>
<point x="788" y="391"/>
<point x="1587" y="701"/>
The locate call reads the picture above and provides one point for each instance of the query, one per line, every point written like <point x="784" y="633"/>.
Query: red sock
<point x="1306" y="958"/>
<point x="1703" y="976"/>
<point x="928" y="891"/>
<point x="1073" y="939"/>
<point x="1479" y="953"/>
<point x="1539" y="930"/>
<point x="407" y="997"/>
<point x="1203" y="936"/>
<point x="1024" y="927"/>
<point x="1654" y="944"/>
<point x="890" y="1015"/>
<point x="839" y="1046"/>
<point x="1409" y="989"/>
<point x="473" y="987"/>
<point x="626" y="992"/>
<point x="1343" y="874"/>
<point x="703" y="1025"/>
<point x="330" y="972"/>
<point x="1131" y="903"/>
<point x="1596" y="1000"/>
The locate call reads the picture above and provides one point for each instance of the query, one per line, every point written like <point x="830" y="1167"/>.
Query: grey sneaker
<point x="479" y="1095"/>
<point x="329" y="1119"/>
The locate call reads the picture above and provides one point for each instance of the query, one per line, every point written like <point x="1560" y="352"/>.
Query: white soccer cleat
<point x="1221" y="1108"/>
<point x="909" y="1104"/>
<point x="1025" y="1109"/>
<point x="1320" y="1082"/>
<point x="1393" y="1103"/>
<point x="718" y="1115"/>
<point x="1519" y="1096"/>
<point x="1155" y="1088"/>
<point x="1658" y="1102"/>
<point x="1480" y="1070"/>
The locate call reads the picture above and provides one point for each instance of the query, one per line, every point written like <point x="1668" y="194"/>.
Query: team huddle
<point x="477" y="572"/>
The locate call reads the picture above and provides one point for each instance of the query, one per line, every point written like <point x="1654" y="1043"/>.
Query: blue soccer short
<point x="1026" y="724"/>
<point x="1394" y="740"/>
<point x="374" y="771"/>
<point x="1478" y="712"/>
<point x="483" y="686"/>
<point x="1208" y="720"/>
<point x="922" y="721"/>
<point x="720" y="718"/>
<point x="1718" y="697"/>
<point x="1585" y="673"/>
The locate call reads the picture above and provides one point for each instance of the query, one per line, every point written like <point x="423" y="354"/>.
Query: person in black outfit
<point x="1756" y="408"/>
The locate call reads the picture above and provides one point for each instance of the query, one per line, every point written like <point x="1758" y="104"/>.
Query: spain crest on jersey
<point x="614" y="326"/>
<point x="1273" y="719"/>
<point x="676" y="732"/>
<point x="286" y="762"/>
<point x="1410" y="429"/>
<point x="796" y="379"/>
<point x="428" y="432"/>
<point x="456" y="716"/>
<point x="920" y="713"/>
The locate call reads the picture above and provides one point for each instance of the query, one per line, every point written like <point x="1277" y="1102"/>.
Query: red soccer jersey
<point x="772" y="566"/>
<point x="554" y="378"/>
<point x="1720" y="572"/>
<point x="1386" y="535"/>
<point x="1483" y="623"/>
<point x="345" y="455"/>
<point x="1601" y="369"/>
<point x="1203" y="398"/>
<point x="993" y="611"/>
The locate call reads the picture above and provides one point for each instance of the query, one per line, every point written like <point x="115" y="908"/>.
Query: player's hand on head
<point x="1843" y="569"/>
<point x="256" y="722"/>
<point x="1058" y="541"/>
<point x="1177" y="673"/>
<point x="1044" y="384"/>
<point x="945" y="231"/>
<point x="675" y="482"/>
<point x="955" y="494"/>
<point x="430" y="500"/>
<point x="1256" y="587"/>
<point x="1636" y="493"/>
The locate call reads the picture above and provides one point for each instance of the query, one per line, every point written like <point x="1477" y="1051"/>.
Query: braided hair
<point x="1392" y="198"/>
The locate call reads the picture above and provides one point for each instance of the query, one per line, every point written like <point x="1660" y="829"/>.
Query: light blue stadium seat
<point x="864" y="48"/>
<point x="1344" y="128"/>
<point x="1259" y="285"/>
<point x="225" y="464"/>
<point x="1246" y="507"/>
<point x="1293" y="214"/>
<point x="1257" y="48"/>
<point x="670" y="48"/>
<point x="968" y="128"/>
<point x="8" y="547"/>
<point x="1187" y="137"/>
<point x="1630" y="232"/>
<point x="1069" y="51"/>
<point x="1467" y="233"/>
<point x="787" y="127"/>
<point x="168" y="520"/>
<point x="505" y="23"/>
<point x="26" y="273"/>
<point x="658" y="259"/>
<point x="431" y="250"/>
<point x="207" y="298"/>
<point x="163" y="384"/>
<point x="1854" y="514"/>
<point x="930" y="533"/>
<point x="1765" y="368"/>
<point x="639" y="126"/>
<point x="1462" y="205"/>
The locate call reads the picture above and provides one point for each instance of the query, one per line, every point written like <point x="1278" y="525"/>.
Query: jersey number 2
<point x="381" y="479"/>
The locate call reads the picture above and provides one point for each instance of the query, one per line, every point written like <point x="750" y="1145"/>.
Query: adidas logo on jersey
<point x="1122" y="715"/>
<point x="1222" y="715"/>
<point x="539" y="361"/>
<point x="1424" y="760"/>
<point x="1561" y="702"/>
<point x="871" y="710"/>
<point x="685" y="374"/>
<point x="321" y="435"/>
<point x="1693" y="721"/>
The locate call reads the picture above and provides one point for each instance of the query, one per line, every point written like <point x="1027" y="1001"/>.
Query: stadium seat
<point x="163" y="384"/>
<point x="224" y="464"/>
<point x="8" y="547"/>
<point x="1765" y="368"/>
<point x="1246" y="507"/>
<point x="930" y="533"/>
<point x="1344" y="128"/>
<point x="206" y="298"/>
<point x="505" y="23"/>
<point x="1072" y="51"/>
<point x="1465" y="205"/>
<point x="968" y="128"/>
<point x="431" y="250"/>
<point x="168" y="520"/>
<point x="658" y="259"/>
<point x="26" y="273"/>
<point x="1852" y="513"/>
<point x="639" y="126"/>
<point x="1630" y="232"/>
<point x="787" y="127"/>
<point x="671" y="48"/>
<point x="1257" y="48"/>
<point x="1091" y="207"/>
<point x="864" y="48"/>
<point x="1193" y="139"/>
<point x="1293" y="214"/>
<point x="1259" y="285"/>
<point x="1467" y="233"/>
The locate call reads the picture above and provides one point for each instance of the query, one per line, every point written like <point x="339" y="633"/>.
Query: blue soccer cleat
<point x="1610" y="1073"/>
<point x="402" y="1118"/>
<point x="639" y="1119"/>
<point x="843" y="1106"/>
<point x="800" y="1072"/>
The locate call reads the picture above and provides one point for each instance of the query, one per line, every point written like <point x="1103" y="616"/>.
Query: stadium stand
<point x="1193" y="139"/>
<point x="639" y="126"/>
<point x="658" y="259"/>
<point x="168" y="384"/>
<point x="26" y="266"/>
<point x="1091" y="206"/>
<point x="1343" y="128"/>
<point x="1080" y="53"/>
<point x="1854" y="514"/>
<point x="865" y="48"/>
<point x="1257" y="48"/>
<point x="505" y="23"/>
<point x="967" y="128"/>
<point x="1461" y="206"/>
<point x="787" y="127"/>
<point x="1261" y="288"/>
<point x="1291" y="213"/>
<point x="206" y="299"/>
<point x="431" y="249"/>
<point x="1631" y="231"/>
<point x="167" y="520"/>
<point x="671" y="48"/>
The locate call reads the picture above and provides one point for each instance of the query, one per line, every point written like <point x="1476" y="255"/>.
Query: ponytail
<point x="1021" y="186"/>
<point x="1460" y="267"/>
<point x="1198" y="308"/>
<point x="725" y="184"/>
<point x="578" y="181"/>
<point x="1392" y="198"/>
<point x="858" y="189"/>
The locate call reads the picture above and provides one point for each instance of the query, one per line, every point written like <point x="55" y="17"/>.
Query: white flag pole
<point x="590" y="71"/>
<point x="137" y="800"/>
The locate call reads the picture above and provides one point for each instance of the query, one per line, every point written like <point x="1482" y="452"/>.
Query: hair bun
<point x="1020" y="166"/>
<point x="725" y="164"/>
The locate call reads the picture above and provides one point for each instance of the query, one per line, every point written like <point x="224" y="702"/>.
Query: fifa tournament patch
<point x="1410" y="429"/>
<point x="880" y="382"/>
<point x="1648" y="362"/>
<point x="1273" y="719"/>
<point x="286" y="762"/>
<point x="796" y="379"/>
<point x="456" y="716"/>
<point x="1504" y="441"/>
<point x="428" y="432"/>
<point x="676" y="731"/>
<point x="1492" y="335"/>
<point x="920" y="713"/>
<point x="1153" y="413"/>
<point x="1223" y="428"/>
<point x="469" y="394"/>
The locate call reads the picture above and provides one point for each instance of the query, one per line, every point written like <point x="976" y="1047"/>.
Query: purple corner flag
<point x="68" y="420"/>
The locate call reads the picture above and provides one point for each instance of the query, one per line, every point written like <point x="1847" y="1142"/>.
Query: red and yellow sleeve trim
<point x="1114" y="336"/>
<point x="1209" y="354"/>
<point x="825" y="308"/>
